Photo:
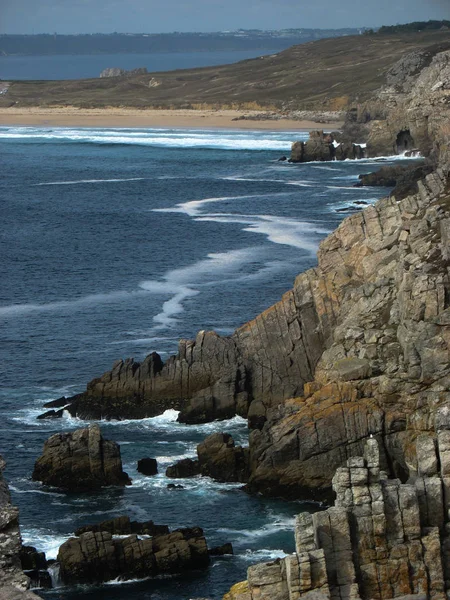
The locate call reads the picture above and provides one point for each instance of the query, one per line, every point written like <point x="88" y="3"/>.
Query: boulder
<point x="80" y="461"/>
<point x="95" y="557"/>
<point x="222" y="460"/>
<point x="147" y="466"/>
<point x="218" y="457"/>
<point x="184" y="468"/>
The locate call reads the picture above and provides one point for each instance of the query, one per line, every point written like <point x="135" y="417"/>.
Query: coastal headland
<point x="345" y="381"/>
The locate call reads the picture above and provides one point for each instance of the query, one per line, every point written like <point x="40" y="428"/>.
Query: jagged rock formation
<point x="95" y="557"/>
<point x="323" y="147"/>
<point x="382" y="539"/>
<point x="79" y="461"/>
<point x="411" y="111"/>
<point x="218" y="457"/>
<point x="359" y="346"/>
<point x="13" y="581"/>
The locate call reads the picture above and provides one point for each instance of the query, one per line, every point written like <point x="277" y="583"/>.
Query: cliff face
<point x="411" y="112"/>
<point x="358" y="347"/>
<point x="13" y="581"/>
<point x="382" y="539"/>
<point x="381" y="299"/>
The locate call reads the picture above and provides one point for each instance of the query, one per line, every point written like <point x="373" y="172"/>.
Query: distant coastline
<point x="183" y="118"/>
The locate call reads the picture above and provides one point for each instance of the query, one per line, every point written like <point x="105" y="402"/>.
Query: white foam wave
<point x="33" y="491"/>
<point x="192" y="208"/>
<point x="170" y="138"/>
<point x="278" y="230"/>
<point x="89" y="181"/>
<point x="16" y="310"/>
<point x="262" y="554"/>
<point x="184" y="283"/>
<point x="279" y="523"/>
<point x="44" y="541"/>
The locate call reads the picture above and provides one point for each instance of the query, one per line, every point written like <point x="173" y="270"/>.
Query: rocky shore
<point x="358" y="347"/>
<point x="381" y="539"/>
<point x="345" y="384"/>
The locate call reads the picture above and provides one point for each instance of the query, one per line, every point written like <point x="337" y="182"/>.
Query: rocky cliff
<point x="13" y="581"/>
<point x="382" y="539"/>
<point x="358" y="347"/>
<point x="410" y="112"/>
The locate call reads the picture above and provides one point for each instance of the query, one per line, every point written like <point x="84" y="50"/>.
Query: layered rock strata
<point x="382" y="539"/>
<point x="95" y="557"/>
<point x="13" y="581"/>
<point x="79" y="461"/>
<point x="218" y="457"/>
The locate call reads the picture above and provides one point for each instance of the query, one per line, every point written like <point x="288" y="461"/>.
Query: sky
<point x="157" y="16"/>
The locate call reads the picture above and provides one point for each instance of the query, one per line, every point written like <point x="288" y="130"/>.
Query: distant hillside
<point x="326" y="74"/>
<point x="415" y="26"/>
<point x="123" y="43"/>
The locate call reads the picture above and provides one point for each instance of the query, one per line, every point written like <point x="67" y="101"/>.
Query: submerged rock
<point x="80" y="461"/>
<point x="221" y="550"/>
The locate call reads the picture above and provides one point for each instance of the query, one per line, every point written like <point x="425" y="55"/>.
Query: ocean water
<point x="118" y="242"/>
<point x="69" y="66"/>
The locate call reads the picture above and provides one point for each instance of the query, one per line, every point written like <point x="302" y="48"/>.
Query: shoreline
<point x="151" y="118"/>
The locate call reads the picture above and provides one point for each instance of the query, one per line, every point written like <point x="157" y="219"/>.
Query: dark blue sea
<point x="69" y="66"/>
<point x="118" y="242"/>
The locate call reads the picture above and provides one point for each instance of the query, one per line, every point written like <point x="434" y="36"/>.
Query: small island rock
<point x="80" y="461"/>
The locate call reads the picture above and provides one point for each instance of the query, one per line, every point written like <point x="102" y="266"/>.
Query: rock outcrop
<point x="410" y="112"/>
<point x="95" y="557"/>
<point x="382" y="539"/>
<point x="13" y="581"/>
<point x="323" y="147"/>
<point x="402" y="179"/>
<point x="218" y="457"/>
<point x="116" y="72"/>
<point x="80" y="461"/>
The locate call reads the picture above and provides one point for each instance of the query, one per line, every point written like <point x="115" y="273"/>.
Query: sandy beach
<point x="113" y="117"/>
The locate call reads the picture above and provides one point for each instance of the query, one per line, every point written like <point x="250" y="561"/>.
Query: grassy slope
<point x="324" y="74"/>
